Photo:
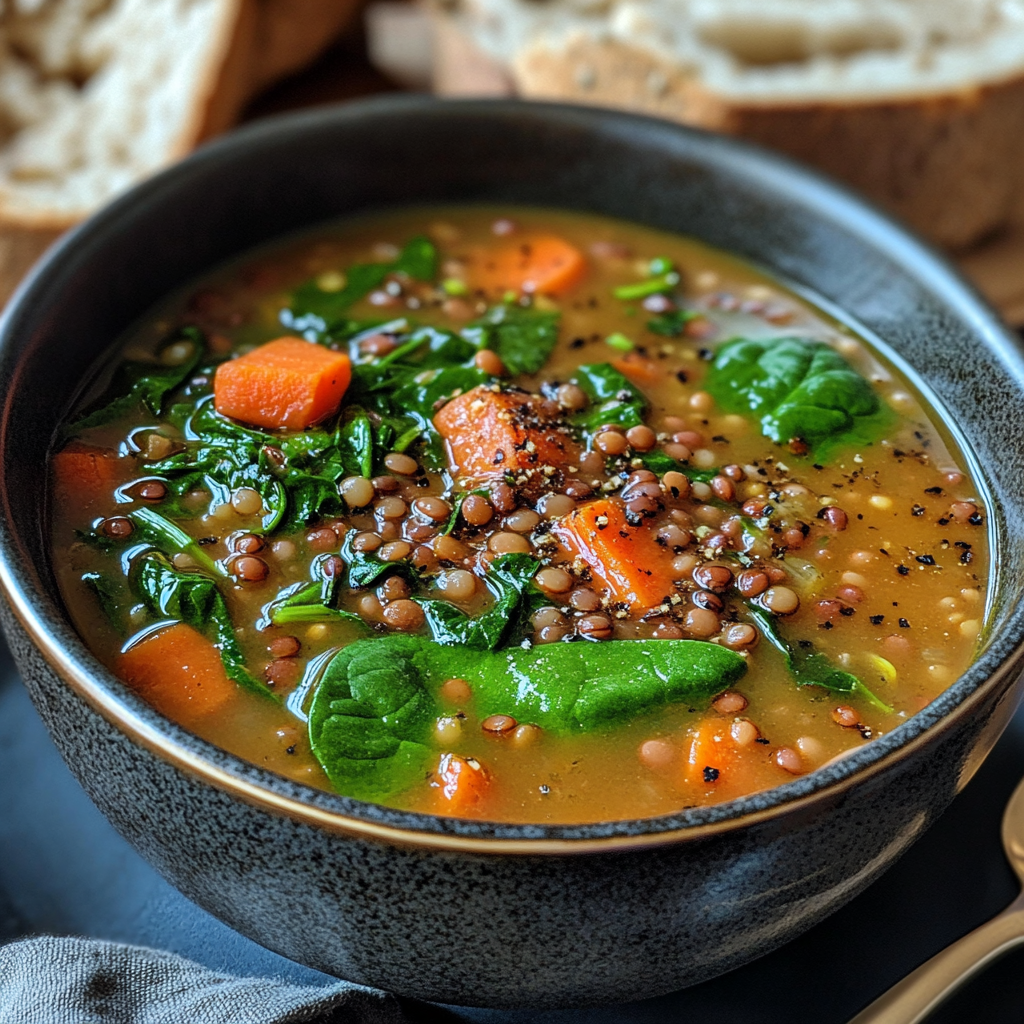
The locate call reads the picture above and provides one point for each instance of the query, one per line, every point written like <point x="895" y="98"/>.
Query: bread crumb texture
<point x="918" y="103"/>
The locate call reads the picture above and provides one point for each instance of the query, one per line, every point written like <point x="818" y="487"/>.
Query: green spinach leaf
<point x="314" y="310"/>
<point x="510" y="580"/>
<point x="144" y="385"/>
<point x="671" y="324"/>
<point x="194" y="599"/>
<point x="810" y="667"/>
<point x="797" y="389"/>
<point x="370" y="718"/>
<point x="523" y="337"/>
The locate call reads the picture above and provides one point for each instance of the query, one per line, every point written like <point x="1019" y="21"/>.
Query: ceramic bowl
<point x="467" y="912"/>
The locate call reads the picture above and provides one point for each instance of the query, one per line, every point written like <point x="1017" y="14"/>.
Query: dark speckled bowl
<point x="461" y="911"/>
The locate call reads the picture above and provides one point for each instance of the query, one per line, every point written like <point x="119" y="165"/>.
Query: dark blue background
<point x="64" y="870"/>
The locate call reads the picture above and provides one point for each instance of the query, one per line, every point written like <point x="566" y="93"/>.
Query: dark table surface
<point x="64" y="870"/>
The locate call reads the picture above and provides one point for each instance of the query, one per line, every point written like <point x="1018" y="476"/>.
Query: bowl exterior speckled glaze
<point x="467" y="912"/>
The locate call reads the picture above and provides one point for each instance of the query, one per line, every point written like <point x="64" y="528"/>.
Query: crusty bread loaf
<point x="97" y="94"/>
<point x="918" y="103"/>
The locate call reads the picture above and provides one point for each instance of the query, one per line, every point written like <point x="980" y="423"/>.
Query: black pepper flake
<point x="681" y="376"/>
<point x="917" y="510"/>
<point x="966" y="558"/>
<point x="711" y="774"/>
<point x="847" y="611"/>
<point x="706" y="354"/>
<point x="976" y="519"/>
<point x="816" y="466"/>
<point x="763" y="740"/>
<point x="925" y="559"/>
<point x="904" y="624"/>
<point x="860" y="515"/>
<point x="943" y="521"/>
<point x="577" y="343"/>
<point x="902" y="570"/>
<point x="499" y="458"/>
<point x="207" y="540"/>
<point x="290" y="750"/>
<point x="720" y="439"/>
<point x="544" y="790"/>
<point x="804" y="643"/>
<point x="877" y="620"/>
<point x="826" y="625"/>
<point x="933" y="490"/>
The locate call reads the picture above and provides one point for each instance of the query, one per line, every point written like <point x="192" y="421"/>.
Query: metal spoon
<point x="912" y="999"/>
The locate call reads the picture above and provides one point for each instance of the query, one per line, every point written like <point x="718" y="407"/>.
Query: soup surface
<point x="516" y="514"/>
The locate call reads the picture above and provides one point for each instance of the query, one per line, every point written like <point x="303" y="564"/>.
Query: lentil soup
<point x="516" y="514"/>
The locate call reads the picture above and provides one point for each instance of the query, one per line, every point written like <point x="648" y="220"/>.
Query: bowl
<point x="467" y="912"/>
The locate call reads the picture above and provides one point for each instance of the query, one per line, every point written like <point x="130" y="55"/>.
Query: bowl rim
<point x="41" y="616"/>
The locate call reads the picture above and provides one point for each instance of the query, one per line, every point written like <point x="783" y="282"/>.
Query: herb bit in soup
<point x="518" y="515"/>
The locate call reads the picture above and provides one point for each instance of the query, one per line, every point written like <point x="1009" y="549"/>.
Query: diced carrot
<point x="84" y="473"/>
<point x="634" y="567"/>
<point x="638" y="368"/>
<point x="288" y="383"/>
<point x="715" y="760"/>
<point x="542" y="264"/>
<point x="179" y="672"/>
<point x="462" y="784"/>
<point x="490" y="433"/>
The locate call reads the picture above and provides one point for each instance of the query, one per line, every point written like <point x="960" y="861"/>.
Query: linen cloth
<point x="52" y="980"/>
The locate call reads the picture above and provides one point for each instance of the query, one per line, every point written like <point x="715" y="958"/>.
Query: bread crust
<point x="951" y="165"/>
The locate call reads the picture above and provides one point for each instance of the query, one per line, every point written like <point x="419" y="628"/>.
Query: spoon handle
<point x="909" y="1001"/>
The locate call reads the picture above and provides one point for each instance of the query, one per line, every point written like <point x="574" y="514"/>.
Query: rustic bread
<point x="918" y="103"/>
<point x="96" y="94"/>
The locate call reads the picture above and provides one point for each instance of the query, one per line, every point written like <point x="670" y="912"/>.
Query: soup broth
<point x="604" y="524"/>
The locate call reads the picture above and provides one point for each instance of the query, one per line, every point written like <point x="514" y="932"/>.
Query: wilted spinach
<point x="524" y="337"/>
<point x="144" y="385"/>
<point x="194" y="599"/>
<point x="809" y="667"/>
<point x="797" y="390"/>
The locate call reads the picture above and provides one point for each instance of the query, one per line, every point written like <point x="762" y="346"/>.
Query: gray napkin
<point x="82" y="981"/>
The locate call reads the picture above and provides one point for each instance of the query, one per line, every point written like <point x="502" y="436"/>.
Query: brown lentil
<point x="250" y="568"/>
<point x="642" y="438"/>
<point x="780" y="600"/>
<point x="118" y="527"/>
<point x="729" y="703"/>
<point x="611" y="442"/>
<point x="395" y="551"/>
<point x="403" y="465"/>
<point x="845" y="716"/>
<point x="435" y="509"/>
<point x="553" y="580"/>
<point x="455" y="691"/>
<point x="741" y="636"/>
<point x="357" y="491"/>
<point x="284" y="646"/>
<point x="404" y="615"/>
<point x="391" y="508"/>
<point x="789" y="760"/>
<point x="508" y="544"/>
<point x="498" y="724"/>
<point x="490" y="362"/>
<point x="598" y="627"/>
<point x="476" y="510"/>
<point x="457" y="584"/>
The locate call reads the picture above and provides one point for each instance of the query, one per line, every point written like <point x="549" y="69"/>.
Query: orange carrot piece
<point x="543" y="264"/>
<point x="179" y="672"/>
<point x="490" y="433"/>
<point x="288" y="383"/>
<point x="634" y="567"/>
<point x="714" y="759"/>
<point x="462" y="784"/>
<point x="638" y="368"/>
<point x="84" y="473"/>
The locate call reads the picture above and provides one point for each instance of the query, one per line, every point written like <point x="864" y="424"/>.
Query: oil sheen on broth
<point x="606" y="523"/>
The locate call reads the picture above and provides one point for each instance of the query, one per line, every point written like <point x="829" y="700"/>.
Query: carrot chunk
<point x="288" y="383"/>
<point x="542" y="264"/>
<point x="490" y="433"/>
<point x="84" y="473"/>
<point x="634" y="567"/>
<point x="715" y="760"/>
<point x="639" y="369"/>
<point x="462" y="784"/>
<point x="179" y="672"/>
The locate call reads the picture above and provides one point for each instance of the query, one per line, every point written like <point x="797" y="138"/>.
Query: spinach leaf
<point x="510" y="580"/>
<point x="809" y="667"/>
<point x="365" y="567"/>
<point x="194" y="599"/>
<point x="671" y="324"/>
<point x="613" y="398"/>
<point x="110" y="593"/>
<point x="296" y="475"/>
<point x="797" y="389"/>
<point x="144" y="385"/>
<point x="170" y="538"/>
<point x="308" y="602"/>
<point x="322" y="312"/>
<point x="523" y="337"/>
<point x="370" y="719"/>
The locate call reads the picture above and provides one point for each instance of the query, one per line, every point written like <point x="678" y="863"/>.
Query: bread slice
<point x="97" y="94"/>
<point x="918" y="103"/>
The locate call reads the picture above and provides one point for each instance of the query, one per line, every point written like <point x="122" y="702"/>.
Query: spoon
<point x="912" y="999"/>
